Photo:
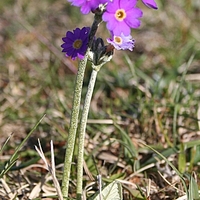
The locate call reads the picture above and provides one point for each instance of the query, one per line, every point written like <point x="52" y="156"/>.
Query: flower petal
<point x="150" y="4"/>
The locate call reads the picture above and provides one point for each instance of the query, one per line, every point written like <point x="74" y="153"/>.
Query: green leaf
<point x="112" y="191"/>
<point x="182" y="159"/>
<point x="167" y="152"/>
<point x="5" y="143"/>
<point x="196" y="155"/>
<point x="193" y="189"/>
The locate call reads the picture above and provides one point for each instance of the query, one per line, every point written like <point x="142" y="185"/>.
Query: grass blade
<point x="14" y="157"/>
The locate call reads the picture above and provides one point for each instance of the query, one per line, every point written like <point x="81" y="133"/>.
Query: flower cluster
<point x="120" y="17"/>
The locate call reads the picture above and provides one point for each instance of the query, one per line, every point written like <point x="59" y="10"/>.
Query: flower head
<point x="75" y="43"/>
<point x="121" y="16"/>
<point x="150" y="4"/>
<point x="122" y="42"/>
<point x="87" y="5"/>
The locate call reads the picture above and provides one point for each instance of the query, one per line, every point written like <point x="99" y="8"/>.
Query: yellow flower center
<point x="120" y="14"/>
<point x="118" y="39"/>
<point x="77" y="44"/>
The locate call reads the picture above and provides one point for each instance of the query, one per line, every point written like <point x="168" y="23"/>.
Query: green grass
<point x="150" y="95"/>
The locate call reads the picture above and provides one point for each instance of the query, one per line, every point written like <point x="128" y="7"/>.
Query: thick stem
<point x="81" y="133"/>
<point x="73" y="126"/>
<point x="75" y="110"/>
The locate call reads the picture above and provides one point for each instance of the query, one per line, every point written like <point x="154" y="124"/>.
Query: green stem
<point x="75" y="109"/>
<point x="81" y="133"/>
<point x="73" y="126"/>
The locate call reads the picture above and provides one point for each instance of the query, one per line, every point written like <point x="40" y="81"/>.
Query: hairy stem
<point x="81" y="133"/>
<point x="73" y="126"/>
<point x="76" y="107"/>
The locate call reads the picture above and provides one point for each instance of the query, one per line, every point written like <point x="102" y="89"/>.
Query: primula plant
<point x="120" y="17"/>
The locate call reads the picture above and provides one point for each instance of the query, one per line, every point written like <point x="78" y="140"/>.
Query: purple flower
<point x="75" y="43"/>
<point x="122" y="42"/>
<point x="150" y="3"/>
<point x="121" y="15"/>
<point x="87" y="5"/>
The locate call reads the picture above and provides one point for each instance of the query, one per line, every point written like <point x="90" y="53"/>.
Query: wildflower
<point x="122" y="42"/>
<point x="121" y="15"/>
<point x="87" y="5"/>
<point x="75" y="43"/>
<point x="150" y="3"/>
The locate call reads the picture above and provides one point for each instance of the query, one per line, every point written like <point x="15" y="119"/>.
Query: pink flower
<point x="122" y="42"/>
<point x="87" y="5"/>
<point x="121" y="16"/>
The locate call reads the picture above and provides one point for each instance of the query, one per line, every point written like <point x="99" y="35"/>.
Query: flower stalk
<point x="73" y="126"/>
<point x="75" y="110"/>
<point x="81" y="133"/>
